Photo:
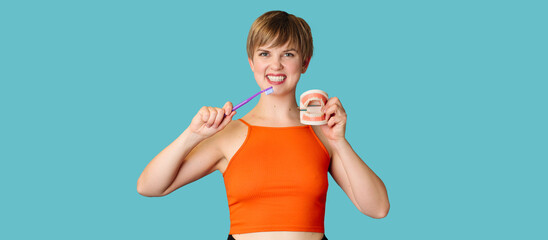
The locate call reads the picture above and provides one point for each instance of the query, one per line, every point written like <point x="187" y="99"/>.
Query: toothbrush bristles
<point x="269" y="90"/>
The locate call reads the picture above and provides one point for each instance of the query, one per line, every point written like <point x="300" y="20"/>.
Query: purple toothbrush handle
<point x="246" y="101"/>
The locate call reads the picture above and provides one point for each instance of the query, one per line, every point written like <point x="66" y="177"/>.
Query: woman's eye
<point x="263" y="54"/>
<point x="289" y="54"/>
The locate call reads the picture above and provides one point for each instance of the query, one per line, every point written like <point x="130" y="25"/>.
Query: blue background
<point x="446" y="103"/>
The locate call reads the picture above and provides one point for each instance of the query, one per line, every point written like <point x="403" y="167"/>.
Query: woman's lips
<point x="276" y="79"/>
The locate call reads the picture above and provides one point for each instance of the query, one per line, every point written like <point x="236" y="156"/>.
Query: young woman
<point x="274" y="168"/>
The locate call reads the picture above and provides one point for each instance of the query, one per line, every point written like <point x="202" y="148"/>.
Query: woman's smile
<point x="276" y="79"/>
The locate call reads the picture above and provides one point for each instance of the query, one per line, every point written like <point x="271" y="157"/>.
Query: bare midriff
<point x="279" y="235"/>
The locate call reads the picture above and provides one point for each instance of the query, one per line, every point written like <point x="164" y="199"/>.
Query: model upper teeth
<point x="276" y="78"/>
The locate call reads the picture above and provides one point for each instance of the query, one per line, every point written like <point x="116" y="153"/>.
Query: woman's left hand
<point x="336" y="120"/>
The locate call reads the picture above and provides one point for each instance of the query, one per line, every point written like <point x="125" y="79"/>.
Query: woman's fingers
<point x="204" y="113"/>
<point x="210" y="120"/>
<point x="332" y="121"/>
<point x="227" y="119"/>
<point x="227" y="108"/>
<point x="330" y="112"/>
<point x="212" y="116"/>
<point x="219" y="117"/>
<point x="334" y="111"/>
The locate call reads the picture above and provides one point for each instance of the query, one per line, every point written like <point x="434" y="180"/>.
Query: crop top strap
<point x="249" y="125"/>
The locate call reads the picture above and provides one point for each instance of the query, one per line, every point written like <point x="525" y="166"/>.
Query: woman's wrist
<point x="191" y="137"/>
<point x="338" y="143"/>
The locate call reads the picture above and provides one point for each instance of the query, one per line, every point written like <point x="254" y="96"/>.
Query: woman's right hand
<point x="211" y="120"/>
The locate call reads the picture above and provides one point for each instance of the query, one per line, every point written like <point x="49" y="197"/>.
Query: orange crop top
<point x="277" y="181"/>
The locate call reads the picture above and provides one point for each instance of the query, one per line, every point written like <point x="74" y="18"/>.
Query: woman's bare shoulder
<point x="323" y="139"/>
<point x="234" y="129"/>
<point x="229" y="140"/>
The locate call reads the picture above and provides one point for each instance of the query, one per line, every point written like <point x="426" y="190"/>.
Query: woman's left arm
<point x="364" y="188"/>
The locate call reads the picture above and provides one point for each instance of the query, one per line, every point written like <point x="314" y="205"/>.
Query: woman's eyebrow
<point x="288" y="50"/>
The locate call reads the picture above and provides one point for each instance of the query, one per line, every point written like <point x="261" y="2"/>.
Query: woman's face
<point x="280" y="67"/>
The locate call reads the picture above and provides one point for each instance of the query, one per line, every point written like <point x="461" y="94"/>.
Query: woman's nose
<point x="276" y="64"/>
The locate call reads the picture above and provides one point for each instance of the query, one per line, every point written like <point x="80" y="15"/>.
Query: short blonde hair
<point x="278" y="28"/>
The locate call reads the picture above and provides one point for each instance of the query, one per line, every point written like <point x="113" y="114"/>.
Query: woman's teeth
<point x="276" y="78"/>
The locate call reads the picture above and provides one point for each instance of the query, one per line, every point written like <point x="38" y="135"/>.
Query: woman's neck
<point x="275" y="110"/>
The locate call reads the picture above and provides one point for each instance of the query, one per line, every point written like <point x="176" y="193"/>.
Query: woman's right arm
<point x="191" y="156"/>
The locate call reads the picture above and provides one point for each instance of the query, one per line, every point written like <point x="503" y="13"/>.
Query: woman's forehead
<point x="273" y="45"/>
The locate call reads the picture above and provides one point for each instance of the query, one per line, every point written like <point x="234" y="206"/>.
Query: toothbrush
<point x="306" y="109"/>
<point x="267" y="91"/>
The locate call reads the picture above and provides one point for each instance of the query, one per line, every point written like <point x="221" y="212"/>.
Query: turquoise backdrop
<point x="446" y="102"/>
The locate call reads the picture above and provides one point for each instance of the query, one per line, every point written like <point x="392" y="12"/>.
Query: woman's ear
<point x="251" y="64"/>
<point x="305" y="65"/>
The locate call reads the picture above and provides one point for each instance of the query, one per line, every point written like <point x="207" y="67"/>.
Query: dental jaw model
<point x="311" y="103"/>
